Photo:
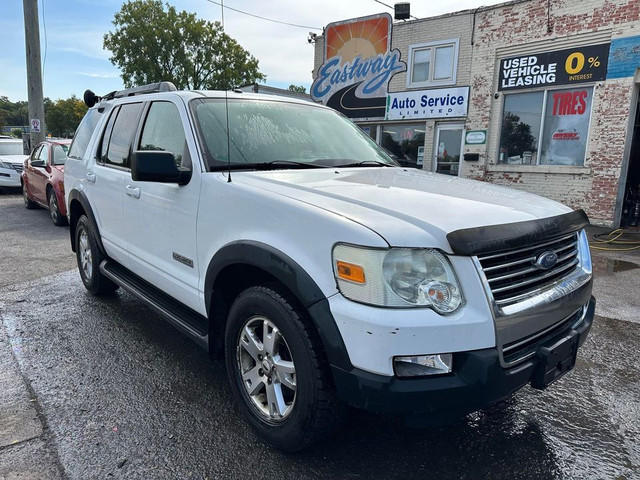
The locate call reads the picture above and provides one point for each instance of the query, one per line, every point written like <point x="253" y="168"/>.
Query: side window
<point x="44" y="154"/>
<point x="122" y="135"/>
<point x="163" y="130"/>
<point x="104" y="143"/>
<point x="83" y="134"/>
<point x="35" y="153"/>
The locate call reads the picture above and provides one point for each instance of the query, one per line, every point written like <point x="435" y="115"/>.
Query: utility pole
<point x="34" y="70"/>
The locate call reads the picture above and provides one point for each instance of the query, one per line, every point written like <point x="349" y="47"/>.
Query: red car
<point x="43" y="179"/>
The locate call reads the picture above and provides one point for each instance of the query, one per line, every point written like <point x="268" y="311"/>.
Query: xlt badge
<point x="182" y="259"/>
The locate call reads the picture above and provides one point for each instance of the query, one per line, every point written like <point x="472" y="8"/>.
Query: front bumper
<point x="478" y="380"/>
<point x="9" y="178"/>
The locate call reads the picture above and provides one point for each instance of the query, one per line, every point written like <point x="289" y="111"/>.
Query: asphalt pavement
<point x="104" y="388"/>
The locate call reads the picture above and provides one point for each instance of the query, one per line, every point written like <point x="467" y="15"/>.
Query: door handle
<point x="132" y="191"/>
<point x="91" y="177"/>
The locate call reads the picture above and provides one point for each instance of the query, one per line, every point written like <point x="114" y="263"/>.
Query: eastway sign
<point x="358" y="65"/>
<point x="440" y="103"/>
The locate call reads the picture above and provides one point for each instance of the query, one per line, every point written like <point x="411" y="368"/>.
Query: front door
<point x="448" y="148"/>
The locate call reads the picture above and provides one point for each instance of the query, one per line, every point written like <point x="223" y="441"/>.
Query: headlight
<point x="397" y="277"/>
<point x="6" y="165"/>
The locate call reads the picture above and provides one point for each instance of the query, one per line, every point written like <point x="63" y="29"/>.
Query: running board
<point x="188" y="321"/>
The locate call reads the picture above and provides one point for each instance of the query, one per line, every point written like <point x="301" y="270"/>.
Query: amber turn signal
<point x="349" y="271"/>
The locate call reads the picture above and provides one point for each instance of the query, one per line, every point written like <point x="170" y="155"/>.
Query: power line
<point x="264" y="18"/>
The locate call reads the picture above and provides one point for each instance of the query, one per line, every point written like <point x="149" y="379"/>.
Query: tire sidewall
<point x="288" y="433"/>
<point x="53" y="206"/>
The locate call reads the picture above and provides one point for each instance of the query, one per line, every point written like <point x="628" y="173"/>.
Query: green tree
<point x="63" y="116"/>
<point x="516" y="136"/>
<point x="17" y="132"/>
<point x="153" y="42"/>
<point x="297" y="88"/>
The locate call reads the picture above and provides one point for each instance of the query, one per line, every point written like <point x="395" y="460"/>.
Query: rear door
<point x="160" y="218"/>
<point x="38" y="175"/>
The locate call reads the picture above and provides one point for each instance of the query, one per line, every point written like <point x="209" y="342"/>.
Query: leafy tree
<point x="17" y="132"/>
<point x="63" y="116"/>
<point x="297" y="88"/>
<point x="152" y="43"/>
<point x="516" y="136"/>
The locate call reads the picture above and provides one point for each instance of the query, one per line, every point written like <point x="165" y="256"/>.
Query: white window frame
<point x="452" y="42"/>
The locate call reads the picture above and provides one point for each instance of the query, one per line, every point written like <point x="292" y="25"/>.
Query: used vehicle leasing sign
<point x="438" y="103"/>
<point x="562" y="67"/>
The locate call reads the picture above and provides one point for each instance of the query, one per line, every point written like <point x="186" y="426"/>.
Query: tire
<point x="28" y="203"/>
<point x="291" y="402"/>
<point x="57" y="218"/>
<point x="89" y="258"/>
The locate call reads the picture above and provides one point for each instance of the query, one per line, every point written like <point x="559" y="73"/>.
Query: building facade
<point x="540" y="95"/>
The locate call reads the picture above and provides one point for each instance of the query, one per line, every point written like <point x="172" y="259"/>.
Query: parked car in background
<point x="43" y="178"/>
<point x="11" y="160"/>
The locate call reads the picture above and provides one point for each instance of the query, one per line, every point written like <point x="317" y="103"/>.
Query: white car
<point x="11" y="162"/>
<point x="325" y="273"/>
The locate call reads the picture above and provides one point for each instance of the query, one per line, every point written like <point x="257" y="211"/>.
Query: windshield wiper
<point x="365" y="163"/>
<point x="272" y="165"/>
<point x="275" y="164"/>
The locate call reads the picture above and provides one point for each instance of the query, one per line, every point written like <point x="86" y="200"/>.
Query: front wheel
<point x="89" y="258"/>
<point x="277" y="370"/>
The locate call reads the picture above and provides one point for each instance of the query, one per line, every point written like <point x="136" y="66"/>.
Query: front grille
<point x="16" y="167"/>
<point x="513" y="275"/>
<point x="525" y="348"/>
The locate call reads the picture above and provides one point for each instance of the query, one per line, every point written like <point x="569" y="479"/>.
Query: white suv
<point x="326" y="274"/>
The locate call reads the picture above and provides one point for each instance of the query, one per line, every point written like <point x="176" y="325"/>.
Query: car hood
<point x="15" y="159"/>
<point x="406" y="207"/>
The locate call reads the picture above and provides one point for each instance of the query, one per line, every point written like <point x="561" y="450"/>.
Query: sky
<point x="71" y="33"/>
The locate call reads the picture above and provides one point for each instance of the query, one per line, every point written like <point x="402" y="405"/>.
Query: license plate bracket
<point x="555" y="360"/>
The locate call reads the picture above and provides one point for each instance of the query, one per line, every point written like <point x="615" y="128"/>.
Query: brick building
<point x="540" y="95"/>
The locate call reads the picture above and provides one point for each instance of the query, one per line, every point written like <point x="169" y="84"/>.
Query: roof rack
<point x="91" y="98"/>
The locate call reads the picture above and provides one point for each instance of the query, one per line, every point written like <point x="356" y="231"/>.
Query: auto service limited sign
<point x="358" y="65"/>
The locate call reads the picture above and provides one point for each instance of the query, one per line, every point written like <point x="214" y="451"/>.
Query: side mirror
<point x="157" y="166"/>
<point x="37" y="163"/>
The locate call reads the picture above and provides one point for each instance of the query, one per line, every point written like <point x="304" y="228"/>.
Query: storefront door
<point x="448" y="148"/>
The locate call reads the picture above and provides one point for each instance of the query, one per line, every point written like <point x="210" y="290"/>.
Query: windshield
<point x="281" y="135"/>
<point x="11" y="148"/>
<point x="60" y="154"/>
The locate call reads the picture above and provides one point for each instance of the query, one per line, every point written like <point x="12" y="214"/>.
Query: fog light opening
<point x="422" y="365"/>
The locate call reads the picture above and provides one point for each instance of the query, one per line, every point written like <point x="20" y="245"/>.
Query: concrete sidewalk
<point x="24" y="452"/>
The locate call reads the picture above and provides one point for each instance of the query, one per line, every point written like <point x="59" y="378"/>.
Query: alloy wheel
<point x="86" y="258"/>
<point x="266" y="369"/>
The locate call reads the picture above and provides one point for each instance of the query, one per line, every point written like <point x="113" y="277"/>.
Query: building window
<point x="433" y="64"/>
<point x="549" y="127"/>
<point x="403" y="143"/>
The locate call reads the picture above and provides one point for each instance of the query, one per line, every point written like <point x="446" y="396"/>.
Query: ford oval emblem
<point x="546" y="260"/>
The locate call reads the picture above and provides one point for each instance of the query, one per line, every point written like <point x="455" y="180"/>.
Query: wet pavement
<point x="121" y="394"/>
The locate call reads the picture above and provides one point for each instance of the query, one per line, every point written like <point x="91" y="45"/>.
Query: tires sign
<point x="35" y="125"/>
<point x="562" y="67"/>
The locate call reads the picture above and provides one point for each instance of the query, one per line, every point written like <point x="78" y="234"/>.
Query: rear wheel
<point x="89" y="258"/>
<point x="54" y="210"/>
<point x="28" y="203"/>
<point x="277" y="370"/>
